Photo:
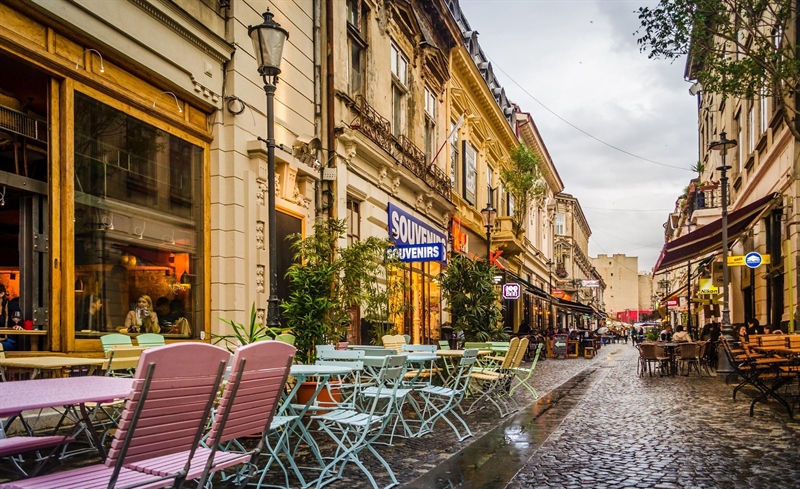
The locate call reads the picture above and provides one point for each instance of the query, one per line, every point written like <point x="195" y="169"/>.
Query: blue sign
<point x="752" y="259"/>
<point x="405" y="229"/>
<point x="423" y="252"/>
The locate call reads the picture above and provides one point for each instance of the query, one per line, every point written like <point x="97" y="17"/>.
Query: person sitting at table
<point x="7" y="309"/>
<point x="89" y="316"/>
<point x="753" y="327"/>
<point x="681" y="334"/>
<point x="666" y="333"/>
<point x="142" y="319"/>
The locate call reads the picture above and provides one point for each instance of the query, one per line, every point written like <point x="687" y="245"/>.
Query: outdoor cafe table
<point x="60" y="365"/>
<point x="24" y="395"/>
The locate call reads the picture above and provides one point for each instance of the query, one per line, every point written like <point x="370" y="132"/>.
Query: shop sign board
<point x="511" y="291"/>
<point x="752" y="260"/>
<point x="405" y="229"/>
<point x="558" y="293"/>
<point x="422" y="252"/>
<point x="673" y="302"/>
<point x="590" y="283"/>
<point x="560" y="344"/>
<point x="707" y="286"/>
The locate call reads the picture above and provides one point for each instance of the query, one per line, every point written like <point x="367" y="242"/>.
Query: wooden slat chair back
<point x="113" y="339"/>
<point x="248" y="404"/>
<point x="792" y="340"/>
<point x="500" y="360"/>
<point x="394" y="342"/>
<point x="772" y="341"/>
<point x="150" y="340"/>
<point x="511" y="355"/>
<point x="169" y="405"/>
<point x="444" y="345"/>
<point x="122" y="360"/>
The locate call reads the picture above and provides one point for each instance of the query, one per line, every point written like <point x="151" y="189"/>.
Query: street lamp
<point x="268" y="39"/>
<point x="722" y="146"/>
<point x="489" y="214"/>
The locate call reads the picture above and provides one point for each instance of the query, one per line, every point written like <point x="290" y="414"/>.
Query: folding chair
<point x="524" y="374"/>
<point x="494" y="385"/>
<point x="150" y="340"/>
<point x="109" y="340"/>
<point x="354" y="431"/>
<point x="173" y="392"/>
<point x="440" y="402"/>
<point x="248" y="404"/>
<point x="444" y="345"/>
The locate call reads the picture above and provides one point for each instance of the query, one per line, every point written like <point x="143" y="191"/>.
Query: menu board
<point x="560" y="344"/>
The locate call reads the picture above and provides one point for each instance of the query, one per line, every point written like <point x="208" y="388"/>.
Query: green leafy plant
<point x="244" y="334"/>
<point x="385" y="296"/>
<point x="468" y="286"/>
<point x="325" y="282"/>
<point x="522" y="178"/>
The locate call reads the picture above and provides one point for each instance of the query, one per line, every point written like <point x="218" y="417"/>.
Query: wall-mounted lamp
<point x="139" y="231"/>
<point x="107" y="222"/>
<point x="177" y="104"/>
<point x="91" y="50"/>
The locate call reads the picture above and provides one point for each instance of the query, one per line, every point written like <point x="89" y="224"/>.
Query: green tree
<point x="468" y="286"/>
<point x="735" y="48"/>
<point x="522" y="178"/>
<point x="325" y="282"/>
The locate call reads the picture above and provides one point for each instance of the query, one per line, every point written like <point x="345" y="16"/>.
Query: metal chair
<point x="440" y="402"/>
<point x="523" y="375"/>
<point x="109" y="340"/>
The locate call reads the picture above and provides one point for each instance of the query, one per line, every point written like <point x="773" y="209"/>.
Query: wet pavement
<point x="600" y="425"/>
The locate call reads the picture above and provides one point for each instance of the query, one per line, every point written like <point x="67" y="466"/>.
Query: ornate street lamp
<point x="268" y="40"/>
<point x="722" y="146"/>
<point x="489" y="214"/>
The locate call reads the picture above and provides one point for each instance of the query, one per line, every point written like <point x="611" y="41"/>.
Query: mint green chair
<point x="115" y="339"/>
<point x="150" y="340"/>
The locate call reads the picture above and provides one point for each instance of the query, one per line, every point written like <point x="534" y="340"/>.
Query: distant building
<point x="628" y="293"/>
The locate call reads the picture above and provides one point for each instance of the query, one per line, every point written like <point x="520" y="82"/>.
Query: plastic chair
<point x="150" y="340"/>
<point x="184" y="377"/>
<point x="113" y="339"/>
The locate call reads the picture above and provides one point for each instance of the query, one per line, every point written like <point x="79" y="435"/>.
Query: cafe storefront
<point x="104" y="193"/>
<point x="422" y="249"/>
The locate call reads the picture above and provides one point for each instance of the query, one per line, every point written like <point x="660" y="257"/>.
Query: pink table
<point x="67" y="392"/>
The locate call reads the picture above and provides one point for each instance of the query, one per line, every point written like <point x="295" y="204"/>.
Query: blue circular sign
<point x="752" y="259"/>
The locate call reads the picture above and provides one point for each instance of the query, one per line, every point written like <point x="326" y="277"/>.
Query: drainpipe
<point x="318" y="99"/>
<point x="329" y="115"/>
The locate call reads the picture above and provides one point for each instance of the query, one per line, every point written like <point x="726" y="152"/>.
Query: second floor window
<point x="353" y="222"/>
<point x="430" y="125"/>
<point x="399" y="90"/>
<point x="561" y="224"/>
<point x="470" y="173"/>
<point x="764" y="110"/>
<point x="454" y="166"/>
<point x="356" y="46"/>
<point x="751" y="125"/>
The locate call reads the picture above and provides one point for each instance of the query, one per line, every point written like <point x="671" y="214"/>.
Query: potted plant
<point x="468" y="286"/>
<point x="325" y="282"/>
<point x="244" y="334"/>
<point x="385" y="297"/>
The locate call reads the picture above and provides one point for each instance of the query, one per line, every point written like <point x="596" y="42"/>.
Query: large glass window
<point x="138" y="225"/>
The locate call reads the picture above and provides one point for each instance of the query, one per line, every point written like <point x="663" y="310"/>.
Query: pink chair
<point x="258" y="375"/>
<point x="173" y="392"/>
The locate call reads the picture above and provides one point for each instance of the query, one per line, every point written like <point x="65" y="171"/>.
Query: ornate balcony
<point x="377" y="128"/>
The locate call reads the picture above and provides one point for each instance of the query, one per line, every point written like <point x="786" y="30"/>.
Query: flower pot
<point x="330" y="395"/>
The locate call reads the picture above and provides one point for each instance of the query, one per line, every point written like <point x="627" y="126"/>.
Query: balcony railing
<point x="377" y="128"/>
<point x="707" y="199"/>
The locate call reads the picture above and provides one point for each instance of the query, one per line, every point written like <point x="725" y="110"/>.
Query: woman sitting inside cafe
<point x="142" y="319"/>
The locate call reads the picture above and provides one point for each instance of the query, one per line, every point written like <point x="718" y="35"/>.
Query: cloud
<point x="581" y="60"/>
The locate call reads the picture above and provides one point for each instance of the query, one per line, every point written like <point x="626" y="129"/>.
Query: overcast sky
<point x="579" y="58"/>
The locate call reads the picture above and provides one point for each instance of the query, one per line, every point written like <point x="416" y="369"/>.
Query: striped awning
<point x="708" y="238"/>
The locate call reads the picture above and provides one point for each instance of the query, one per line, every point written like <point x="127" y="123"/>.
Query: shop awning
<point x="574" y="306"/>
<point x="709" y="237"/>
<point x="529" y="287"/>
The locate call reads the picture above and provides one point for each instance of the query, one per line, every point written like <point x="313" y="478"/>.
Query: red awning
<point x="709" y="237"/>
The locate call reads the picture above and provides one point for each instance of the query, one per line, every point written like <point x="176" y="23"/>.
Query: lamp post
<point x="489" y="214"/>
<point x="722" y="146"/>
<point x="268" y="39"/>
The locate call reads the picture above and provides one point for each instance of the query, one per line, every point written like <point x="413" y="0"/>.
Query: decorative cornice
<point x="179" y="29"/>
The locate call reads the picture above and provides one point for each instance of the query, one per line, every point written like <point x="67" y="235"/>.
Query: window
<point x="356" y="45"/>
<point x="751" y="126"/>
<point x="561" y="223"/>
<point x="454" y="161"/>
<point x="764" y="110"/>
<point x="353" y="222"/>
<point x="470" y="172"/>
<point x="739" y="147"/>
<point x="138" y="222"/>
<point x="430" y="125"/>
<point x="399" y="65"/>
<point x="489" y="180"/>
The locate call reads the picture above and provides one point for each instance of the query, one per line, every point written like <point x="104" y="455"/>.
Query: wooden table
<point x="60" y="365"/>
<point x="25" y="332"/>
